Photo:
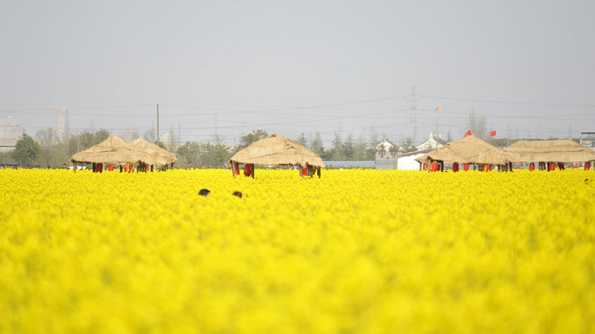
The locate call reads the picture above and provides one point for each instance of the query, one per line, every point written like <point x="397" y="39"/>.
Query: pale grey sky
<point x="300" y="66"/>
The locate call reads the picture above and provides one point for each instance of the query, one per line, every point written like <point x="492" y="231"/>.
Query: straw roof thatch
<point x="467" y="150"/>
<point x="277" y="150"/>
<point x="162" y="156"/>
<point x="114" y="151"/>
<point x="549" y="151"/>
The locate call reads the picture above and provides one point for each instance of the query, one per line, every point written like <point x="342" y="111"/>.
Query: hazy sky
<point x="289" y="67"/>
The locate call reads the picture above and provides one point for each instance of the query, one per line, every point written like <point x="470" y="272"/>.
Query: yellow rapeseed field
<point x="358" y="251"/>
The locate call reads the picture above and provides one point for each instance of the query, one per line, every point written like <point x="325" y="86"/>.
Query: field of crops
<point x="357" y="251"/>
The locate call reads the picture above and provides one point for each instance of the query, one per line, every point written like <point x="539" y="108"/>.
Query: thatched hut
<point x="469" y="150"/>
<point x="548" y="152"/>
<point x="276" y="150"/>
<point x="113" y="151"/>
<point x="162" y="156"/>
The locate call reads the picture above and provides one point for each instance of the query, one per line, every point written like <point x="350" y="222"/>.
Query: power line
<point x="509" y="102"/>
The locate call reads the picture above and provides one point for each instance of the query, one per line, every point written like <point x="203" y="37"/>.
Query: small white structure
<point x="433" y="141"/>
<point x="407" y="160"/>
<point x="386" y="145"/>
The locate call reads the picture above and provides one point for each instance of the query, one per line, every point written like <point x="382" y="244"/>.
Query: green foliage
<point x="408" y="145"/>
<point x="85" y="140"/>
<point x="215" y="155"/>
<point x="188" y="154"/>
<point x="316" y="145"/>
<point x="26" y="151"/>
<point x="250" y="138"/>
<point x="302" y="140"/>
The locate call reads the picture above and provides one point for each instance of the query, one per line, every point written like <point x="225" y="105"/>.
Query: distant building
<point x="433" y="141"/>
<point x="166" y="138"/>
<point x="386" y="160"/>
<point x="407" y="160"/>
<point x="7" y="145"/>
<point x="10" y="128"/>
<point x="386" y="145"/>
<point x="61" y="121"/>
<point x="128" y="134"/>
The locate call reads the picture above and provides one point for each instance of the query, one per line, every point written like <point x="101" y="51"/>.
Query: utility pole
<point x="157" y="123"/>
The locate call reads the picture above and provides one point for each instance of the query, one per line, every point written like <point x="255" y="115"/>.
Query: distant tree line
<point x="347" y="148"/>
<point x="48" y="150"/>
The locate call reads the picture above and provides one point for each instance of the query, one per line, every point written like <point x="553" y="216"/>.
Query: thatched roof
<point x="162" y="156"/>
<point x="277" y="150"/>
<point x="550" y="151"/>
<point x="467" y="150"/>
<point x="8" y="162"/>
<point x="114" y="151"/>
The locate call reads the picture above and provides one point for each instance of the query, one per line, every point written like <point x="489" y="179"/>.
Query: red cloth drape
<point x="99" y="168"/>
<point x="434" y="167"/>
<point x="237" y="169"/>
<point x="531" y="166"/>
<point x="587" y="165"/>
<point x="128" y="168"/>
<point x="466" y="167"/>
<point x="425" y="167"/>
<point x="455" y="167"/>
<point x="110" y="167"/>
<point x="248" y="168"/>
<point x="552" y="166"/>
<point x="305" y="171"/>
<point x="561" y="166"/>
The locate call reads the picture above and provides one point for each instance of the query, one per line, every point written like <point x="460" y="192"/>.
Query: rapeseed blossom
<point x="358" y="251"/>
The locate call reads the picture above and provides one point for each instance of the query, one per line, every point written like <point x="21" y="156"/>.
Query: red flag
<point x="492" y="133"/>
<point x="468" y="133"/>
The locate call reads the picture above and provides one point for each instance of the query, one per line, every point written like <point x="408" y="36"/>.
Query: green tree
<point x="359" y="152"/>
<point x="316" y="145"/>
<point x="250" y="138"/>
<point x="348" y="147"/>
<point x="47" y="139"/>
<point x="337" y="150"/>
<point x="302" y="140"/>
<point x="408" y="145"/>
<point x="26" y="151"/>
<point x="188" y="154"/>
<point x="373" y="145"/>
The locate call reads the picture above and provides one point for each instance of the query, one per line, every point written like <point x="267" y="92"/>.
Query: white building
<point x="433" y="141"/>
<point x="407" y="160"/>
<point x="386" y="145"/>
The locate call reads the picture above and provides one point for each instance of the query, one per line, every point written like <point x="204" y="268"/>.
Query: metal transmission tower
<point x="413" y="115"/>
